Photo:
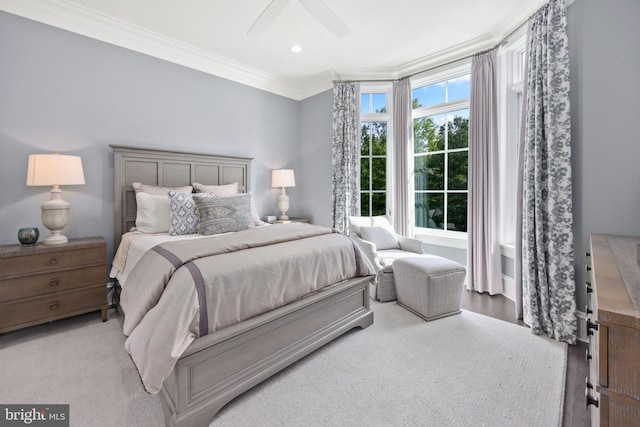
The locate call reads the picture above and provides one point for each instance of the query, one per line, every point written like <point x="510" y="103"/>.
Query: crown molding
<point x="71" y="17"/>
<point x="80" y="20"/>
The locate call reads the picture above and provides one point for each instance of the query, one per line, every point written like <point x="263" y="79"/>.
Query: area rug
<point x="463" y="370"/>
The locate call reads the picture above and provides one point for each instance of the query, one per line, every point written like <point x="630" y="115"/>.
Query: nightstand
<point x="42" y="283"/>
<point x="290" y="220"/>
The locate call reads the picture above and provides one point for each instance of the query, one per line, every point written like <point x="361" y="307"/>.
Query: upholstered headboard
<point x="168" y="169"/>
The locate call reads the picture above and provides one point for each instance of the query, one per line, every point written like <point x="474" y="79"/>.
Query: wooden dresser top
<point x="616" y="274"/>
<point x="9" y="251"/>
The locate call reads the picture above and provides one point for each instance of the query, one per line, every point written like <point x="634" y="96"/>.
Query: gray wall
<point x="605" y="65"/>
<point x="63" y="92"/>
<point x="313" y="164"/>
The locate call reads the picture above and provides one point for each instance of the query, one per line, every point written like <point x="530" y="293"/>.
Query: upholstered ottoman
<point x="429" y="286"/>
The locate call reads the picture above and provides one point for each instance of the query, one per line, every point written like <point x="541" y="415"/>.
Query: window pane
<point x="364" y="204"/>
<point x="428" y="133"/>
<point x="378" y="138"/>
<point x="364" y="174"/>
<point x="379" y="103"/>
<point x="379" y="174"/>
<point x="458" y="88"/>
<point x="429" y="210"/>
<point x="429" y="172"/>
<point x="428" y="95"/>
<point x="365" y="103"/>
<point x="457" y="212"/>
<point x="365" y="136"/>
<point x="458" y="129"/>
<point x="458" y="170"/>
<point x="378" y="204"/>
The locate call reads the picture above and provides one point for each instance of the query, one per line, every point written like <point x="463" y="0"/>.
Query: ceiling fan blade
<point x="326" y="17"/>
<point x="268" y="15"/>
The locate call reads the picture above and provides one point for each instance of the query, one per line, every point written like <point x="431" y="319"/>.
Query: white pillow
<point x="152" y="215"/>
<point x="382" y="238"/>
<point x="218" y="190"/>
<point x="254" y="212"/>
<point x="159" y="191"/>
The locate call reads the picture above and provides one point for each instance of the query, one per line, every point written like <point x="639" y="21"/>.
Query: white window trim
<point x="386" y="88"/>
<point x="447" y="238"/>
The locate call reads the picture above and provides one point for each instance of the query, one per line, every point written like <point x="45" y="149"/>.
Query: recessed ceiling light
<point x="295" y="48"/>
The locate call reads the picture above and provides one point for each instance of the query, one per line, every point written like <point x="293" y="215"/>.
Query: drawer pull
<point x="591" y="327"/>
<point x="587" y="310"/>
<point x="589" y="288"/>
<point x="588" y="254"/>
<point x="590" y="400"/>
<point x="54" y="282"/>
<point x="54" y="305"/>
<point x="587" y="268"/>
<point x="587" y="355"/>
<point x="53" y="260"/>
<point x="587" y="384"/>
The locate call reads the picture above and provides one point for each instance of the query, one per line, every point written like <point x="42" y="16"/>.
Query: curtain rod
<point x="502" y="42"/>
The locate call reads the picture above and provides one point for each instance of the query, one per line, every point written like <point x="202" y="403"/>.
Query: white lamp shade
<point x="283" y="178"/>
<point x="54" y="169"/>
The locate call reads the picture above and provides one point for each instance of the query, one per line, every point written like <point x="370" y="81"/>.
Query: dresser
<point x="42" y="283"/>
<point x="613" y="329"/>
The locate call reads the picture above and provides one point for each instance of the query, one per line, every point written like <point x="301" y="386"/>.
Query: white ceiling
<point x="388" y="39"/>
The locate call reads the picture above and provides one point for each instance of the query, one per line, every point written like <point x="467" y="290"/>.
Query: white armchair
<point x="379" y="241"/>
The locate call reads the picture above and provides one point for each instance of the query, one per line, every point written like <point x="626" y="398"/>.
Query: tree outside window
<point x="441" y="151"/>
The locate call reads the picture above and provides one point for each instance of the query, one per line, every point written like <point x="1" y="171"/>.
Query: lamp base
<point x="55" y="216"/>
<point x="55" y="239"/>
<point x="283" y="205"/>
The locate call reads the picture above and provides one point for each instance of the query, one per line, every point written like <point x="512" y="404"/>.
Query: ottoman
<point x="429" y="286"/>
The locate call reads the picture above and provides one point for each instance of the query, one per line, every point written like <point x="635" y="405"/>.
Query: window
<point x="374" y="150"/>
<point x="510" y="86"/>
<point x="441" y="151"/>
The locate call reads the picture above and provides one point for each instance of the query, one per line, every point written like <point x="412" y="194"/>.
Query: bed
<point x="218" y="366"/>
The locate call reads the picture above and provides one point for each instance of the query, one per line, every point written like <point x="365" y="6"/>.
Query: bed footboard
<point x="218" y="367"/>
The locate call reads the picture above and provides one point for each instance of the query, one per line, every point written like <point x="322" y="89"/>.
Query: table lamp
<point x="55" y="169"/>
<point x="283" y="178"/>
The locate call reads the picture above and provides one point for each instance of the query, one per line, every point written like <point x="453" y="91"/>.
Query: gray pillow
<point x="381" y="237"/>
<point x="223" y="214"/>
<point x="183" y="214"/>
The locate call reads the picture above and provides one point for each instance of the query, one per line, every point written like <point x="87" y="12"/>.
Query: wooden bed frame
<point x="220" y="366"/>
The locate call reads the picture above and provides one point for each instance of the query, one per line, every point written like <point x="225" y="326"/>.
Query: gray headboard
<point x="168" y="169"/>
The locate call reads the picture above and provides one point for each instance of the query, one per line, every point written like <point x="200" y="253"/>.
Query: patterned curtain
<point x="346" y="154"/>
<point x="547" y="257"/>
<point x="484" y="269"/>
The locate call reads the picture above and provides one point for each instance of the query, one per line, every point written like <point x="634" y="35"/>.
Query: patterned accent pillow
<point x="218" y="190"/>
<point x="381" y="237"/>
<point x="183" y="213"/>
<point x="223" y="214"/>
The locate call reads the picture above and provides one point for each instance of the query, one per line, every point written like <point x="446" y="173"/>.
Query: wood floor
<point x="500" y="307"/>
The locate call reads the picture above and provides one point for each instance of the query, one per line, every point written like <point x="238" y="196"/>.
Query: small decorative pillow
<point x="381" y="237"/>
<point x="159" y="191"/>
<point x="152" y="214"/>
<point x="183" y="213"/>
<point x="223" y="214"/>
<point x="218" y="190"/>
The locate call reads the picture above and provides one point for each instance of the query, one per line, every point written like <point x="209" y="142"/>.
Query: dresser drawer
<point x="51" y="306"/>
<point x="31" y="264"/>
<point x="47" y="283"/>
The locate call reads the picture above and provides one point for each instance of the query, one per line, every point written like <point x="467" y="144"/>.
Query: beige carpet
<point x="464" y="370"/>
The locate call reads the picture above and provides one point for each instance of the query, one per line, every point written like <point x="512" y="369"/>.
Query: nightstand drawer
<point x="14" y="314"/>
<point x="31" y="264"/>
<point x="47" y="283"/>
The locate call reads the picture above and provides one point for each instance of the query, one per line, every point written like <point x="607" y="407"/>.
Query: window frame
<point x="387" y="89"/>
<point x="510" y="87"/>
<point x="449" y="238"/>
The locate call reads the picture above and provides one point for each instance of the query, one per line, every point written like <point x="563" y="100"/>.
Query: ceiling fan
<point x="320" y="11"/>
